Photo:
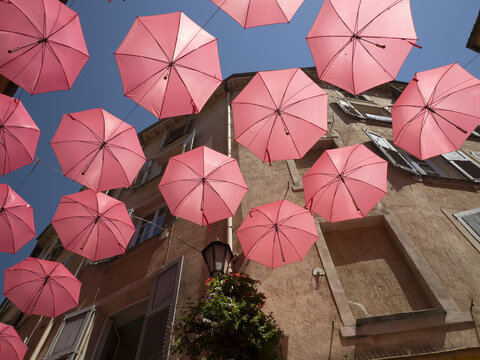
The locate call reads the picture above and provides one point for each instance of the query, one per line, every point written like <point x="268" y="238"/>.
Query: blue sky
<point x="443" y="27"/>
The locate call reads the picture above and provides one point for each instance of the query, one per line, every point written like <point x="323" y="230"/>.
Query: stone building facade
<point x="399" y="283"/>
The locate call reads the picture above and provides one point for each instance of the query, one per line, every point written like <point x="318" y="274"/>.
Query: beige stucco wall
<point x="302" y="304"/>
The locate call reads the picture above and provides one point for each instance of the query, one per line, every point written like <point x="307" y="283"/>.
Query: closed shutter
<point x="66" y="344"/>
<point x="154" y="341"/>
<point x="392" y="154"/>
<point x="464" y="165"/>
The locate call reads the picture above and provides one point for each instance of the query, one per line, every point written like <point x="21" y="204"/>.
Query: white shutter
<point x="188" y="143"/>
<point x="471" y="220"/>
<point x="464" y="165"/>
<point x="348" y="108"/>
<point x="392" y="154"/>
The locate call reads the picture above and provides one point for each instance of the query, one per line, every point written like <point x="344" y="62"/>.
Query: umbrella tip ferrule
<point x="13" y="50"/>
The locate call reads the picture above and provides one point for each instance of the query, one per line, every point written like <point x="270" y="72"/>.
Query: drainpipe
<point x="229" y="153"/>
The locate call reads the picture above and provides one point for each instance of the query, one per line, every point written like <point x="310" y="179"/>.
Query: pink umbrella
<point x="41" y="45"/>
<point x="98" y="150"/>
<point x="16" y="221"/>
<point x="202" y="186"/>
<point x="437" y="111"/>
<point x="277" y="234"/>
<point x="41" y="287"/>
<point x="18" y="135"/>
<point x="357" y="45"/>
<point x="280" y="114"/>
<point x="168" y="64"/>
<point x="345" y="183"/>
<point x="251" y="13"/>
<point x="11" y="346"/>
<point x="93" y="225"/>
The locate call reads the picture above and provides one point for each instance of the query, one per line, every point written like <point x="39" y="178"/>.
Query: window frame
<point x="462" y="157"/>
<point x="161" y="211"/>
<point x="459" y="217"/>
<point x="70" y="353"/>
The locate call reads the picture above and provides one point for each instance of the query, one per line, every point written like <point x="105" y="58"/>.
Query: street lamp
<point x="217" y="255"/>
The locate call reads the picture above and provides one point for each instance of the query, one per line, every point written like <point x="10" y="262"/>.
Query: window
<point x="470" y="219"/>
<point x="145" y="228"/>
<point x="401" y="159"/>
<point x="362" y="107"/>
<point x="157" y="327"/>
<point x="391" y="153"/>
<point x="143" y="331"/>
<point x="464" y="165"/>
<point x="66" y="343"/>
<point x="175" y="133"/>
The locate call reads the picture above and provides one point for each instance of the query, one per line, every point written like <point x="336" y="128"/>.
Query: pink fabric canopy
<point x="357" y="45"/>
<point x="251" y="13"/>
<point x="345" y="183"/>
<point x="168" y="64"/>
<point x="11" y="345"/>
<point x="18" y="135"/>
<point x="202" y="186"/>
<point x="41" y="45"/>
<point x="98" y="150"/>
<point x="277" y="234"/>
<point x="41" y="287"/>
<point x="437" y="111"/>
<point x="17" y="226"/>
<point x="93" y="225"/>
<point x="280" y="114"/>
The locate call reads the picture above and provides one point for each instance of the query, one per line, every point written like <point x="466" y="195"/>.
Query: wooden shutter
<point x="66" y="344"/>
<point x="464" y="165"/>
<point x="392" y="154"/>
<point x="154" y="341"/>
<point x="142" y="175"/>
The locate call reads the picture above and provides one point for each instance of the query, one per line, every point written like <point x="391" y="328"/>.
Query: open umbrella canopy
<point x="437" y="111"/>
<point x="93" y="225"/>
<point x="98" y="150"/>
<point x="41" y="287"/>
<point x="280" y="114"/>
<point x="41" y="44"/>
<point x="357" y="45"/>
<point x="277" y="234"/>
<point x="251" y="13"/>
<point x="18" y="135"/>
<point x="345" y="183"/>
<point x="202" y="186"/>
<point x="168" y="64"/>
<point x="17" y="226"/>
<point x="11" y="346"/>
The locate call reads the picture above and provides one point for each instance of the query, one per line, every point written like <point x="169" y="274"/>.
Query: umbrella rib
<point x="188" y="166"/>
<point x="221" y="198"/>
<point x="63" y="287"/>
<point x="267" y="117"/>
<point x="432" y="95"/>
<point x="54" y="24"/>
<point x="264" y="214"/>
<point x="113" y="223"/>
<point x="8" y="114"/>
<point x="370" y="184"/>
<point x="107" y="149"/>
<point x="379" y="14"/>
<point x="283" y="13"/>
<point x="374" y="58"/>
<point x="352" y="170"/>
<point x="14" y="138"/>
<point x="288" y="84"/>
<point x="49" y="46"/>
<point x="28" y="19"/>
<point x="288" y="239"/>
<point x="66" y="46"/>
<point x="302" y="119"/>
<point x="340" y="18"/>
<point x="260" y="238"/>
<point x="99" y="139"/>
<point x="184" y="55"/>
<point x="28" y="63"/>
<point x="268" y="91"/>
<point x="199" y="71"/>
<point x="302" y="99"/>
<point x="446" y="135"/>
<point x="334" y="57"/>
<point x="153" y="37"/>
<point x="437" y="109"/>
<point x="439" y="100"/>
<point x="166" y="88"/>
